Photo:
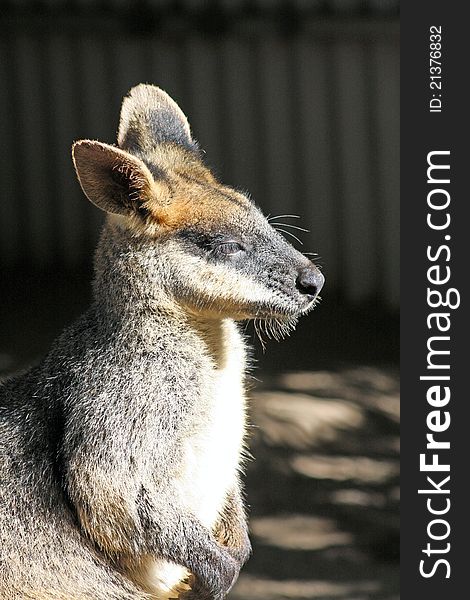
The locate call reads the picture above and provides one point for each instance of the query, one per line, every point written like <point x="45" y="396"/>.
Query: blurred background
<point x="297" y="102"/>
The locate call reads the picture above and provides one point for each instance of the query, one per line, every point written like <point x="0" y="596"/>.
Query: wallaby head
<point x="207" y="245"/>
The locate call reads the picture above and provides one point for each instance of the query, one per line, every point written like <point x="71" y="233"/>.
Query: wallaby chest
<point x="213" y="445"/>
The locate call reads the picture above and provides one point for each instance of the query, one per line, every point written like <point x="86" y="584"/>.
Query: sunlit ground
<point x="324" y="487"/>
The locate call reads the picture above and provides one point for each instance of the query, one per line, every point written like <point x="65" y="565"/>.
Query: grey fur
<point x="149" y="117"/>
<point x="95" y="440"/>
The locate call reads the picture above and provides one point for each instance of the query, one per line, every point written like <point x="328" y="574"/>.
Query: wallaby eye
<point x="229" y="248"/>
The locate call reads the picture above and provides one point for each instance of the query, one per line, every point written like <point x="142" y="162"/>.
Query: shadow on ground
<point x="324" y="486"/>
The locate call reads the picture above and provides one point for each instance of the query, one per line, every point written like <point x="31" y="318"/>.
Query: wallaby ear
<point x="149" y="117"/>
<point x="112" y="179"/>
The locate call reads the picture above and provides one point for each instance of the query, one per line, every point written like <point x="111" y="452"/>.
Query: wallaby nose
<point x="310" y="281"/>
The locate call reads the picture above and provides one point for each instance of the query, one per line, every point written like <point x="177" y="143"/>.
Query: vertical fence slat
<point x="9" y="201"/>
<point x="129" y="64"/>
<point x="280" y="149"/>
<point x="202" y="69"/>
<point x="36" y="215"/>
<point x="167" y="69"/>
<point x="387" y="80"/>
<point x="63" y="67"/>
<point x="358" y="225"/>
<point x="240" y="118"/>
<point x="314" y="150"/>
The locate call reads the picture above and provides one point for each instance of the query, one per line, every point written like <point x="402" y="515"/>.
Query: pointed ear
<point x="112" y="179"/>
<point x="149" y="117"/>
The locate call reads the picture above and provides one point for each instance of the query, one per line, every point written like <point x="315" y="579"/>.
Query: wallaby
<point x="120" y="453"/>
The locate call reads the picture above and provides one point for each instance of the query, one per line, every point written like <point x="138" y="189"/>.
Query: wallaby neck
<point x="128" y="292"/>
<point x="220" y="339"/>
<point x="124" y="285"/>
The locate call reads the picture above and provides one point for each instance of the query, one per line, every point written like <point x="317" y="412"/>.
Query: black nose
<point x="310" y="281"/>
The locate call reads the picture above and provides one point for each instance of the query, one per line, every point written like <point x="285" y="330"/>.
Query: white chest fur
<point x="212" y="449"/>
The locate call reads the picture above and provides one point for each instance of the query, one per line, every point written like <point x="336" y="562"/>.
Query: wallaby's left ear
<point x="111" y="178"/>
<point x="149" y="116"/>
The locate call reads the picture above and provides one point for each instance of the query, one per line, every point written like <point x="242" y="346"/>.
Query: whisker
<point x="259" y="333"/>
<point x="271" y="218"/>
<point x="289" y="233"/>
<point x="292" y="227"/>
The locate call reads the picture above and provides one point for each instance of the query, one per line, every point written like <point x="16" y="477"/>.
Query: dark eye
<point x="229" y="248"/>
